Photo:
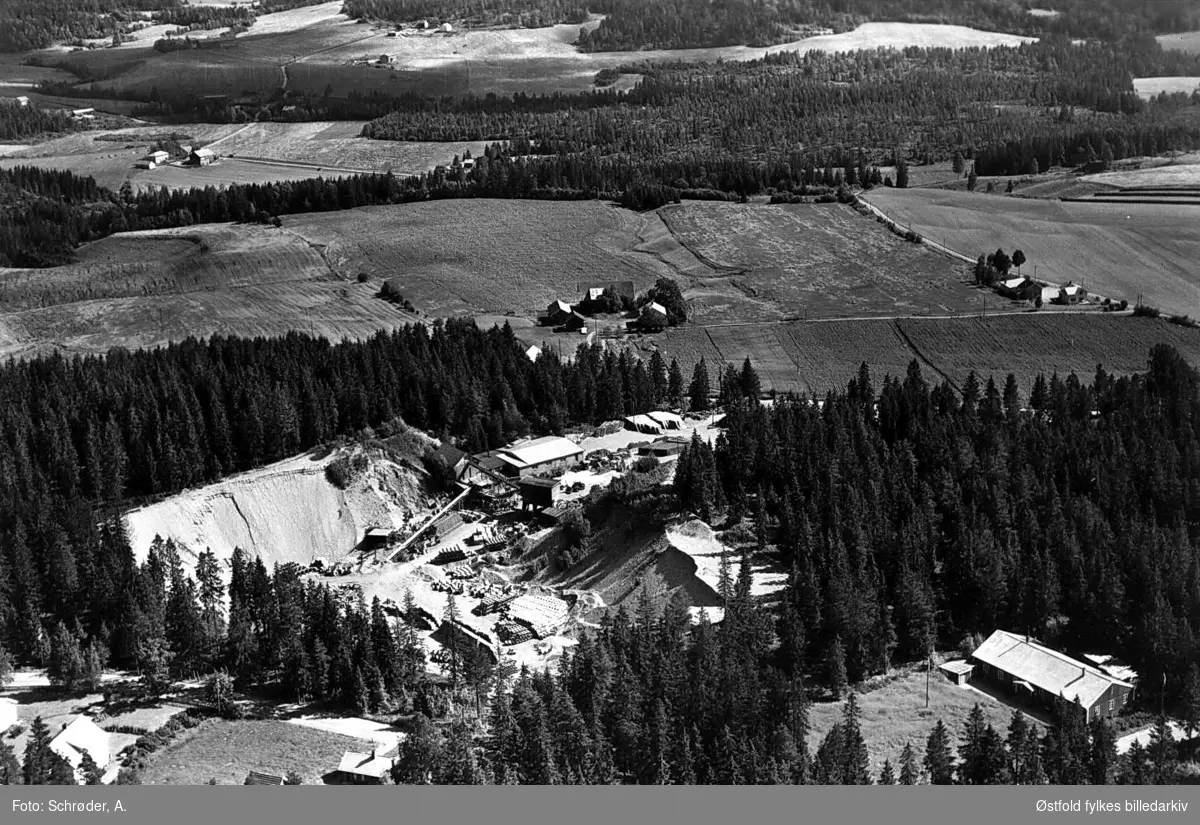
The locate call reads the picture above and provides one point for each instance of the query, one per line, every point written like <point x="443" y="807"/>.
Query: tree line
<point x="20" y="122"/>
<point x="913" y="517"/>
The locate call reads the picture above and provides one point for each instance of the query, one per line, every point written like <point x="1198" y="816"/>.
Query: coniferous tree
<point x="10" y="768"/>
<point x="38" y="763"/>
<point x="887" y="776"/>
<point x="698" y="391"/>
<point x="939" y="763"/>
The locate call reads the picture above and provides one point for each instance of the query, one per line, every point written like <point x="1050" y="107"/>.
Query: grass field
<point x="1148" y="87"/>
<point x="896" y="714"/>
<point x="250" y="153"/>
<point x="817" y="356"/>
<point x="145" y="289"/>
<point x="227" y="751"/>
<point x="1183" y="42"/>
<point x="496" y="257"/>
<point x="810" y="260"/>
<point x="1180" y="170"/>
<point x="1115" y="250"/>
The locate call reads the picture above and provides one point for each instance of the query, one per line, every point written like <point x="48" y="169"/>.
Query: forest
<point x="631" y="25"/>
<point x="19" y="122"/>
<point x="925" y="103"/>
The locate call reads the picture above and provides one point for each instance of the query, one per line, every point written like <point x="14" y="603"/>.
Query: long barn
<point x="1039" y="674"/>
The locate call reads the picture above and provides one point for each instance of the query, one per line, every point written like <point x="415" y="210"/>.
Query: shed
<point x="82" y="735"/>
<point x="22" y="100"/>
<point x="574" y="321"/>
<point x="366" y="768"/>
<point x="623" y="289"/>
<point x="445" y="28"/>
<point x="158" y="157"/>
<point x="533" y="352"/>
<point x="542" y="613"/>
<point x="82" y="112"/>
<point x="656" y="307"/>
<point x="957" y="671"/>
<point x="664" y="448"/>
<point x="259" y="778"/>
<point x="453" y="458"/>
<point x="537" y="492"/>
<point x="375" y="538"/>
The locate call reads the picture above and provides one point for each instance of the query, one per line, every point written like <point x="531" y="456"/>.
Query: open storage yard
<point x="1133" y="249"/>
<point x="810" y="261"/>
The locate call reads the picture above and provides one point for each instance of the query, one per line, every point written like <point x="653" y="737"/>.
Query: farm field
<point x="1133" y="249"/>
<point x="1148" y="87"/>
<point x="456" y="257"/>
<point x="795" y="261"/>
<point x="1033" y="343"/>
<point x="1182" y="171"/>
<point x="817" y="356"/>
<point x="896" y="714"/>
<point x="250" y="153"/>
<point x="228" y="750"/>
<point x="311" y="48"/>
<point x="145" y="289"/>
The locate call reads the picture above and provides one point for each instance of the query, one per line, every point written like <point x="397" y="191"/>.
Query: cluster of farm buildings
<point x="1027" y="289"/>
<point x="192" y="156"/>
<point x="573" y="317"/>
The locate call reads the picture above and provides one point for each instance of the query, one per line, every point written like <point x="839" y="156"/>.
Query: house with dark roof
<point x="1040" y="675"/>
<point x="366" y="768"/>
<point x="454" y="458"/>
<point x="537" y="492"/>
<point x="257" y="778"/>
<point x="557" y="313"/>
<point x="623" y="289"/>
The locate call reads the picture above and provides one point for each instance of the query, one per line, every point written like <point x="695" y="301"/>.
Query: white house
<point x="82" y="735"/>
<point x="8" y="714"/>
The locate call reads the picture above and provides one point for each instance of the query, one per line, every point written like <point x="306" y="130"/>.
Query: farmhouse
<point x="8" y="714"/>
<point x="365" y="768"/>
<point x="201" y="157"/>
<point x="82" y="735"/>
<point x="537" y="492"/>
<point x="622" y="289"/>
<point x="1048" y="294"/>
<point x="1072" y="294"/>
<point x="158" y="157"/>
<point x="557" y="313"/>
<point x="1020" y="289"/>
<point x="542" y="456"/>
<point x="1036" y="673"/>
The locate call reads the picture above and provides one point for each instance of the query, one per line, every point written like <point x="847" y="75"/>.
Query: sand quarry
<point x="285" y="512"/>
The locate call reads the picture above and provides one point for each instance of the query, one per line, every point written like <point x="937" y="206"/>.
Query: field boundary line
<point x="925" y="241"/>
<point x="903" y="335"/>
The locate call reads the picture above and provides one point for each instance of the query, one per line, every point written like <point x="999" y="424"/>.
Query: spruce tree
<point x="1102" y="757"/>
<point x="61" y="772"/>
<point x="38" y="764"/>
<point x="90" y="770"/>
<point x="10" y="768"/>
<point x="910" y="770"/>
<point x="675" y="385"/>
<point x="939" y="763"/>
<point x="887" y="776"/>
<point x="698" y="391"/>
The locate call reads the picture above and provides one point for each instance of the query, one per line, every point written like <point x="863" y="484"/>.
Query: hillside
<point x="1133" y="250"/>
<point x="285" y="512"/>
<point x="141" y="289"/>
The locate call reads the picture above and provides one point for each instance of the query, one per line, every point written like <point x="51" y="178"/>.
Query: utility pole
<point x="928" y="674"/>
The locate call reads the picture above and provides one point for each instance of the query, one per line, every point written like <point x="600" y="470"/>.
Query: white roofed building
<point x="1040" y="674"/>
<point x="540" y="456"/>
<point x="366" y="768"/>
<point x="8" y="714"/>
<point x="82" y="735"/>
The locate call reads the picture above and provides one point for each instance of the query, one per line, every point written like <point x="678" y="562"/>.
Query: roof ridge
<point x="1063" y="657"/>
